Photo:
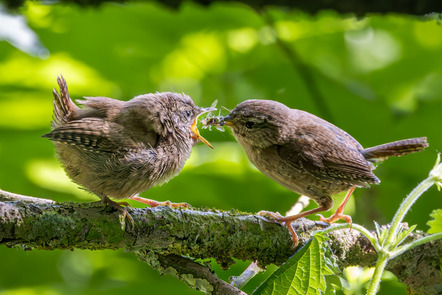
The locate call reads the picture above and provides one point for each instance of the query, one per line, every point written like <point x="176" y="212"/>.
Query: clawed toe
<point x="272" y="215"/>
<point x="322" y="218"/>
<point x="153" y="203"/>
<point x="176" y="205"/>
<point x="335" y="217"/>
<point x="119" y="206"/>
<point x="127" y="215"/>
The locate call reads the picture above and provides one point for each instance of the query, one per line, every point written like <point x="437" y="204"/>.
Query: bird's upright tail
<point x="397" y="148"/>
<point x="63" y="105"/>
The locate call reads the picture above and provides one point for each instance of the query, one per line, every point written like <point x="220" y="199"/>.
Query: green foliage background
<point x="379" y="78"/>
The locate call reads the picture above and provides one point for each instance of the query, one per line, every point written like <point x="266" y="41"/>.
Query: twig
<point x="196" y="275"/>
<point x="7" y="196"/>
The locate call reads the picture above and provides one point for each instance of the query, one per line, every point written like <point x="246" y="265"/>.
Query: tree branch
<point x="196" y="275"/>
<point x="162" y="235"/>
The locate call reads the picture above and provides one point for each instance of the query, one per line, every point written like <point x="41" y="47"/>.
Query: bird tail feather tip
<point x="63" y="105"/>
<point x="397" y="148"/>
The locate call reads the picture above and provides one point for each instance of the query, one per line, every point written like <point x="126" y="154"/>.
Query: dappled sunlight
<point x="290" y="30"/>
<point x="378" y="76"/>
<point x="242" y="40"/>
<point x="225" y="158"/>
<point x="26" y="71"/>
<point x="49" y="174"/>
<point x="403" y="98"/>
<point x="39" y="15"/>
<point x="266" y="35"/>
<point x="75" y="268"/>
<point x="356" y="278"/>
<point x="189" y="86"/>
<point x="372" y="49"/>
<point x="196" y="56"/>
<point x="29" y="106"/>
<point x="307" y="27"/>
<point x="79" y="268"/>
<point x="13" y="28"/>
<point x="428" y="34"/>
<point x="430" y="87"/>
<point x="33" y="290"/>
<point x="19" y="111"/>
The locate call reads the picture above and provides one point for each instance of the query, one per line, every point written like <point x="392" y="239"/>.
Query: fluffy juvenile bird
<point x="308" y="155"/>
<point x="117" y="149"/>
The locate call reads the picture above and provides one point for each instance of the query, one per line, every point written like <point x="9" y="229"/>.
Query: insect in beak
<point x="194" y="128"/>
<point x="225" y="121"/>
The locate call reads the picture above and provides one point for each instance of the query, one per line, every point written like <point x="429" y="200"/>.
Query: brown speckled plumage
<point x="307" y="154"/>
<point x="118" y="149"/>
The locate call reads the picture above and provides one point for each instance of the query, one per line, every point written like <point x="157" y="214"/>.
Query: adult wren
<point x="118" y="149"/>
<point x="308" y="155"/>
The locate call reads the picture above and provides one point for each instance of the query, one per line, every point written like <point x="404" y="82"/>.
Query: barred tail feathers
<point x="397" y="148"/>
<point x="63" y="105"/>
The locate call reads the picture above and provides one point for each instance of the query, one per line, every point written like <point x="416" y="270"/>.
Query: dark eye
<point x="249" y="124"/>
<point x="188" y="113"/>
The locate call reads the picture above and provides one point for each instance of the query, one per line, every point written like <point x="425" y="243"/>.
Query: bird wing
<point x="93" y="134"/>
<point x="109" y="113"/>
<point x="99" y="107"/>
<point x="327" y="153"/>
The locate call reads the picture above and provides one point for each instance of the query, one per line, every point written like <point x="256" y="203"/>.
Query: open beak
<point x="196" y="132"/>
<point x="226" y="121"/>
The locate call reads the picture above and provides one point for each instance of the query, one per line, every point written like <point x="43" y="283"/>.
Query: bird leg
<point x="119" y="207"/>
<point x="339" y="212"/>
<point x="287" y="221"/>
<point x="153" y="203"/>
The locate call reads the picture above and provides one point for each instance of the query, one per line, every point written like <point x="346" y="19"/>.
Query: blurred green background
<point x="379" y="78"/>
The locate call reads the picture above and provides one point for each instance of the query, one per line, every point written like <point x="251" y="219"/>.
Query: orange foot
<point x="153" y="203"/>
<point x="339" y="212"/>
<point x="335" y="217"/>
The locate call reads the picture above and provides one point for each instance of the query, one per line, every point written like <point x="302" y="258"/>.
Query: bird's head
<point x="258" y="123"/>
<point x="170" y="114"/>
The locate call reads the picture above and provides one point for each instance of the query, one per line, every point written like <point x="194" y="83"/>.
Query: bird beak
<point x="194" y="128"/>
<point x="227" y="121"/>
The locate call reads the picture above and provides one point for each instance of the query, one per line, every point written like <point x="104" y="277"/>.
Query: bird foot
<point x="119" y="207"/>
<point x="335" y="217"/>
<point x="271" y="215"/>
<point x="339" y="212"/>
<point x="153" y="203"/>
<point x="281" y="220"/>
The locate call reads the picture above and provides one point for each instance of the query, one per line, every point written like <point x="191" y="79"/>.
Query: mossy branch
<point x="168" y="234"/>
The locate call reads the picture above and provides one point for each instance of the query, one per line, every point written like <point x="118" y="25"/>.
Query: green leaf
<point x="303" y="273"/>
<point x="381" y="233"/>
<point x="404" y="234"/>
<point x="436" y="223"/>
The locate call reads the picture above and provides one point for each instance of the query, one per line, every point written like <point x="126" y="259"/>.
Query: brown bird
<point x="119" y="149"/>
<point x="308" y="155"/>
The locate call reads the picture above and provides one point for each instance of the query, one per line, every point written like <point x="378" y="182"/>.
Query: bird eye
<point x="188" y="113"/>
<point x="249" y="124"/>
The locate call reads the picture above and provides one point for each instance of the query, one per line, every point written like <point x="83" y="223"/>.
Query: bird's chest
<point x="290" y="175"/>
<point x="169" y="160"/>
<point x="268" y="161"/>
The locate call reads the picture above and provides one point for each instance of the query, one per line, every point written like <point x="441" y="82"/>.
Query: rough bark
<point x="160" y="236"/>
